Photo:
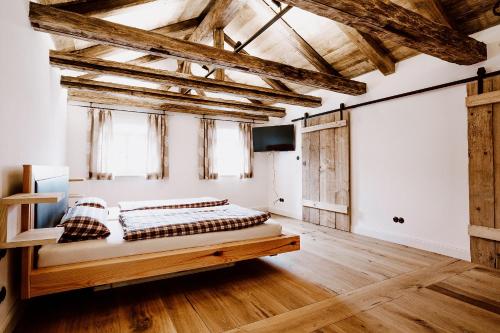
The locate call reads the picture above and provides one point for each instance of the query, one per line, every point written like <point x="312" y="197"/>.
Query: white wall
<point x="183" y="180"/>
<point x="32" y="119"/>
<point x="408" y="156"/>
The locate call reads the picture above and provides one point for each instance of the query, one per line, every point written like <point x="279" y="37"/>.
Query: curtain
<point x="157" y="147"/>
<point x="246" y="139"/>
<point x="206" y="149"/>
<point x="100" y="140"/>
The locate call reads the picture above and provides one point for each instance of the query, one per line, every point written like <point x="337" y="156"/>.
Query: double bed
<point x="61" y="267"/>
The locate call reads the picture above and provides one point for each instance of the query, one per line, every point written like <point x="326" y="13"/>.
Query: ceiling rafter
<point x="388" y="21"/>
<point x="431" y="9"/>
<point x="48" y="19"/>
<point x="168" y="97"/>
<point x="293" y="38"/>
<point x="107" y="67"/>
<point x="99" y="8"/>
<point x="100" y="98"/>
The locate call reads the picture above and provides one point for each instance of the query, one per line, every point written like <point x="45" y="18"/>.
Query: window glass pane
<point x="129" y="144"/>
<point x="228" y="151"/>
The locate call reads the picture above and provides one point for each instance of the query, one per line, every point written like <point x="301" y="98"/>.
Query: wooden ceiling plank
<point x="371" y="48"/>
<point x="275" y="84"/>
<point x="99" y="8"/>
<point x="433" y="10"/>
<point x="100" y="98"/>
<point x="52" y="20"/>
<point x="296" y="41"/>
<point x="388" y="21"/>
<point x="106" y="67"/>
<point x="168" y="97"/>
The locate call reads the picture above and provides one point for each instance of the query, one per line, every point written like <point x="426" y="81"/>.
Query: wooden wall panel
<point x="325" y="173"/>
<point x="484" y="172"/>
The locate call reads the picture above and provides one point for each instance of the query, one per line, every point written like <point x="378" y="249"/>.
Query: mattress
<point x="115" y="246"/>
<point x="131" y="205"/>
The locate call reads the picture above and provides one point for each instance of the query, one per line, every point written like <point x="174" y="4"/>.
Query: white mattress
<point x="114" y="246"/>
<point x="129" y="205"/>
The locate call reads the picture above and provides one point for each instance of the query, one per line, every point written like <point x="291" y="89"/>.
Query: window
<point x="129" y="144"/>
<point x="228" y="149"/>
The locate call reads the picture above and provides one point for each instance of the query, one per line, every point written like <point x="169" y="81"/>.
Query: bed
<point x="54" y="268"/>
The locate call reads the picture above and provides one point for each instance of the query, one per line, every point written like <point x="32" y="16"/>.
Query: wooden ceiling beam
<point x="293" y="38"/>
<point x="218" y="34"/>
<point x="106" y="67"/>
<point x="175" y="30"/>
<point x="433" y="10"/>
<point x="168" y="97"/>
<point x="275" y="84"/>
<point x="52" y="20"/>
<point x="371" y="48"/>
<point x="99" y="8"/>
<point x="100" y="98"/>
<point x="388" y="21"/>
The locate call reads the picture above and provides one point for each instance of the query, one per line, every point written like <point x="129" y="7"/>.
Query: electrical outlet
<point x="281" y="200"/>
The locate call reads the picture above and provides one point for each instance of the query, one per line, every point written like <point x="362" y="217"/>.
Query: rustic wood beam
<point x="433" y="10"/>
<point x="106" y="67"/>
<point x="388" y="21"/>
<point x="276" y="84"/>
<point x="219" y="43"/>
<point x="99" y="8"/>
<point x="176" y="30"/>
<point x="100" y="98"/>
<point x="296" y="41"/>
<point x="168" y="97"/>
<point x="52" y="20"/>
<point x="371" y="48"/>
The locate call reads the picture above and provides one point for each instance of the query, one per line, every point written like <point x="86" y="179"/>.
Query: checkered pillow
<point x="92" y="202"/>
<point x="83" y="223"/>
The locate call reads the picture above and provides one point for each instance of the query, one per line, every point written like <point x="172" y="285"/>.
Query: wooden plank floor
<point x="337" y="282"/>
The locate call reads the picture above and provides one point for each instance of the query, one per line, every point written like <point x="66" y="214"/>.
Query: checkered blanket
<point x="156" y="223"/>
<point x="165" y="205"/>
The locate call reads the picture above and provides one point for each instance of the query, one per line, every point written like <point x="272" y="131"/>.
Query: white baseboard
<point x="423" y="244"/>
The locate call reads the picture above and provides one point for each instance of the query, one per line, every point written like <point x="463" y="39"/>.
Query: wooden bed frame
<point x="49" y="280"/>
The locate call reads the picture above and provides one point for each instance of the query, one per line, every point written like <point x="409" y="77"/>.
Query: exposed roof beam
<point x="218" y="34"/>
<point x="100" y="98"/>
<point x="168" y="97"/>
<point x="48" y="19"/>
<point x="296" y="41"/>
<point x="176" y="30"/>
<point x="276" y="84"/>
<point x="371" y="48"/>
<point x="99" y="8"/>
<point x="106" y="67"/>
<point x="388" y="21"/>
<point x="431" y="9"/>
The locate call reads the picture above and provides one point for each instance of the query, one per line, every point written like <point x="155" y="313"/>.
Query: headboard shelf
<point x="32" y="198"/>
<point x="34" y="237"/>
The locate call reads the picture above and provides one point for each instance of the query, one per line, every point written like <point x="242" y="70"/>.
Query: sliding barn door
<point x="484" y="171"/>
<point x="325" y="171"/>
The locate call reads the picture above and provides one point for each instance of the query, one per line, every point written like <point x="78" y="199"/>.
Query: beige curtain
<point x="157" y="147"/>
<point x="100" y="139"/>
<point x="206" y="149"/>
<point x="246" y="139"/>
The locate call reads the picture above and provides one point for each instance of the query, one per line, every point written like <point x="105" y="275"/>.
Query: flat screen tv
<point x="274" y="138"/>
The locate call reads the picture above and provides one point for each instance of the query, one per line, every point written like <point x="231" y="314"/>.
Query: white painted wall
<point x="408" y="156"/>
<point x="32" y="119"/>
<point x="183" y="180"/>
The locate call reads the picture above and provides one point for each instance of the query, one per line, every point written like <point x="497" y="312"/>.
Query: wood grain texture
<point x="34" y="237"/>
<point x="31" y="198"/>
<point x="99" y="66"/>
<point x="99" y="8"/>
<point x="100" y="98"/>
<point x="388" y="21"/>
<point x="47" y="19"/>
<point x="75" y="276"/>
<point x="484" y="232"/>
<point x="167" y="96"/>
<point x="484" y="188"/>
<point x="327" y="286"/>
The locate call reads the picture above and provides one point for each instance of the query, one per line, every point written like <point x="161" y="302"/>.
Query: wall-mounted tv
<point x="274" y="138"/>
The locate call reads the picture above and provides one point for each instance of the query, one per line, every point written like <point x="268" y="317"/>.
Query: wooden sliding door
<point x="325" y="171"/>
<point x="484" y="171"/>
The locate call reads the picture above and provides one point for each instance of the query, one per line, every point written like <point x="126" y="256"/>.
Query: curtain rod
<point x="481" y="74"/>
<point x="159" y="112"/>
